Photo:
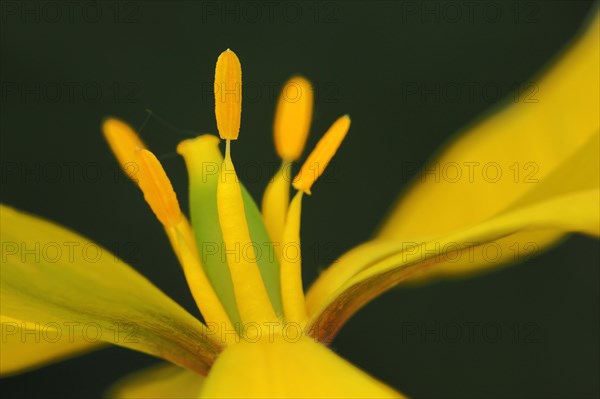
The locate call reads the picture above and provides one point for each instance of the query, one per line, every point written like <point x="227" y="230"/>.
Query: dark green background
<point x="361" y="56"/>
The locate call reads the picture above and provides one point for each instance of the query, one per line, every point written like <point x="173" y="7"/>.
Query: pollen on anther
<point x="292" y="118"/>
<point x="319" y="158"/>
<point x="157" y="189"/>
<point x="228" y="95"/>
<point x="123" y="141"/>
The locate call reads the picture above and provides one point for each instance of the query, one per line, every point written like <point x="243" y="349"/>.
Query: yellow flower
<point x="263" y="335"/>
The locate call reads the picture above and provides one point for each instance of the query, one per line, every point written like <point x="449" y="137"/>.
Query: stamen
<point x="292" y="118"/>
<point x="292" y="292"/>
<point x="251" y="296"/>
<point x="290" y="128"/>
<point x="228" y="95"/>
<point x="319" y="158"/>
<point x="157" y="189"/>
<point x="123" y="142"/>
<point x="143" y="167"/>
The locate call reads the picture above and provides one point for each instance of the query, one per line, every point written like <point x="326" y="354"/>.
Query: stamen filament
<point x="252" y="299"/>
<point x="291" y="265"/>
<point x="275" y="204"/>
<point x="181" y="238"/>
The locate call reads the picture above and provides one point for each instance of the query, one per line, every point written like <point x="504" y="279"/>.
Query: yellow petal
<point x="567" y="201"/>
<point x="527" y="141"/>
<point x="292" y="118"/>
<point x="319" y="158"/>
<point x="504" y="155"/>
<point x="228" y="95"/>
<point x="454" y="250"/>
<point x="347" y="266"/>
<point x="123" y="141"/>
<point x="290" y="367"/>
<point x="251" y="296"/>
<point x="52" y="275"/>
<point x="158" y="382"/>
<point x="275" y="204"/>
<point x="26" y="346"/>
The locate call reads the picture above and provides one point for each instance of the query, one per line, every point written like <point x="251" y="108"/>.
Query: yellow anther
<point x="292" y="118"/>
<point x="157" y="188"/>
<point x="228" y="95"/>
<point x="320" y="157"/>
<point x="123" y="142"/>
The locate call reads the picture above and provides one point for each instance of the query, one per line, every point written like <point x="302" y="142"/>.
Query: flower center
<point x="233" y="279"/>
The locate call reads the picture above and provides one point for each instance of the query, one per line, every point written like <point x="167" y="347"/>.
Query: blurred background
<point x="409" y="73"/>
